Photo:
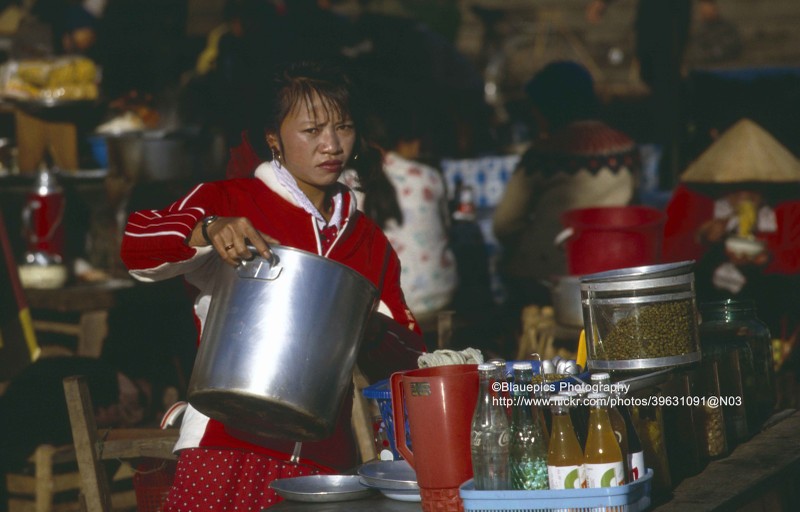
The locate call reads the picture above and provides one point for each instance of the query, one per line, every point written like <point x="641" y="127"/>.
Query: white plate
<point x="402" y="495"/>
<point x="319" y="488"/>
<point x="389" y="474"/>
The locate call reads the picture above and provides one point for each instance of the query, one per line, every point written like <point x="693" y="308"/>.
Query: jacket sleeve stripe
<point x="159" y="233"/>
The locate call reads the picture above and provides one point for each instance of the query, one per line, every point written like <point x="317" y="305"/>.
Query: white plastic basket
<point x="632" y="497"/>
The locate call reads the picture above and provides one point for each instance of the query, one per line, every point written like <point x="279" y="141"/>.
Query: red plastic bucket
<point x="612" y="237"/>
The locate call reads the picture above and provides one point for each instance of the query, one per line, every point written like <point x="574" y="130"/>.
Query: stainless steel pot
<point x="565" y="294"/>
<point x="279" y="344"/>
<point x="148" y="156"/>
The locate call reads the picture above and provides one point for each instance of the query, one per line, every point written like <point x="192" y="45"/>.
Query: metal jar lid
<point x="643" y="272"/>
<point x="640" y="278"/>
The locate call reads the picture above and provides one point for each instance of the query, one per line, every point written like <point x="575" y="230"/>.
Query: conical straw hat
<point x="744" y="153"/>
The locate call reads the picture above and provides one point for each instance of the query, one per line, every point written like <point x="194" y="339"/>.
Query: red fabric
<point x="243" y="160"/>
<point x="228" y="481"/>
<point x="687" y="210"/>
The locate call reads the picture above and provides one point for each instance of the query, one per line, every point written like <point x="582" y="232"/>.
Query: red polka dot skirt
<point x="209" y="480"/>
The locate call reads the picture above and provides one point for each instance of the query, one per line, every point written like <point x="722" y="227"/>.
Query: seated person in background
<point x="413" y="212"/>
<point x="736" y="213"/>
<point x="578" y="162"/>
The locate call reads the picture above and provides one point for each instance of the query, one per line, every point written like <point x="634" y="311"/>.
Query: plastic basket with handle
<point x="382" y="394"/>
<point x="632" y="497"/>
<point x="151" y="483"/>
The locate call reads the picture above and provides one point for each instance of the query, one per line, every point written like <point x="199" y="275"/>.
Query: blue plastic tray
<point x="632" y="497"/>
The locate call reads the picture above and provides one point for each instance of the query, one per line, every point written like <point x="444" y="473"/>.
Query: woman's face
<point x="315" y="144"/>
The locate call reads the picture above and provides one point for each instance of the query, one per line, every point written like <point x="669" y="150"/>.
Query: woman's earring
<point x="355" y="157"/>
<point x="276" y="155"/>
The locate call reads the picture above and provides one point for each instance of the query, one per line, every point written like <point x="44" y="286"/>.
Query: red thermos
<point x="43" y="216"/>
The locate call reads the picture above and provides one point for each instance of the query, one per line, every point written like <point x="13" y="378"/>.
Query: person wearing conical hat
<point x="736" y="212"/>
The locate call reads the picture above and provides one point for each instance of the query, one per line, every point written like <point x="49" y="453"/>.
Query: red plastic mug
<point x="440" y="402"/>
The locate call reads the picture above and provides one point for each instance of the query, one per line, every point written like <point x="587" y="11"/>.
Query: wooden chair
<point x="93" y="446"/>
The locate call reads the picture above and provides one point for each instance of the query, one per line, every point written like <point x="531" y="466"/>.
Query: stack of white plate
<point x="394" y="478"/>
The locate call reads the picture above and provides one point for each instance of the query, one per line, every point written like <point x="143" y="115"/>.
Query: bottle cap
<point x="522" y="365"/>
<point x="486" y="367"/>
<point x="601" y="376"/>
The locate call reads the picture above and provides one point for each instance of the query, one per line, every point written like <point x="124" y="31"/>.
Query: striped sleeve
<point x="154" y="242"/>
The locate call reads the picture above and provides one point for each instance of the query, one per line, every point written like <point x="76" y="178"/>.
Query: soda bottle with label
<point x="565" y="467"/>
<point x="528" y="445"/>
<point x="601" y="382"/>
<point x="490" y="433"/>
<point x="636" y="466"/>
<point x="602" y="458"/>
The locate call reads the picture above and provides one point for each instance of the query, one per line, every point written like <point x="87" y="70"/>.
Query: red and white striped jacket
<point x="154" y="248"/>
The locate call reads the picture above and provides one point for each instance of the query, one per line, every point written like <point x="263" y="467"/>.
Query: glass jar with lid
<point x="641" y="317"/>
<point x="732" y="334"/>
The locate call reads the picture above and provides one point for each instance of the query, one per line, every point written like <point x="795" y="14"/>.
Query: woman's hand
<point x="230" y="236"/>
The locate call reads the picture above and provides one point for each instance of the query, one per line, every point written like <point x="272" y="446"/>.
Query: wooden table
<point x="85" y="310"/>
<point x="762" y="474"/>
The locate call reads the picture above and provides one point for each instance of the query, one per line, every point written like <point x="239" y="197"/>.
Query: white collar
<point x="274" y="176"/>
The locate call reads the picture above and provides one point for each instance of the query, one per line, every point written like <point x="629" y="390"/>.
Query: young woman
<point x="294" y="199"/>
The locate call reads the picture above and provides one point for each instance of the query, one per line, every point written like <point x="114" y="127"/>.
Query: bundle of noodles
<point x="448" y="357"/>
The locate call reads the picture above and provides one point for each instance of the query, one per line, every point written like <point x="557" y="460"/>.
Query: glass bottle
<point x="528" y="445"/>
<point x="565" y="468"/>
<point x="649" y="423"/>
<point x="581" y="410"/>
<point x="601" y="382"/>
<point x="732" y="326"/>
<point x="636" y="466"/>
<point x="503" y="376"/>
<point x="715" y="445"/>
<point x="490" y="434"/>
<point x="576" y="416"/>
<point x="603" y="460"/>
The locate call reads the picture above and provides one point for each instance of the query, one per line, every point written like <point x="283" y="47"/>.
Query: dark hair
<point x="298" y="83"/>
<point x="564" y="92"/>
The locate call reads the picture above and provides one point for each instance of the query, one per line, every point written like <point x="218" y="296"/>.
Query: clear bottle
<point x="602" y="457"/>
<point x="715" y="445"/>
<point x="565" y="467"/>
<point x="528" y="445"/>
<point x="602" y="383"/>
<point x="490" y="435"/>
<point x="732" y="326"/>
<point x="503" y="376"/>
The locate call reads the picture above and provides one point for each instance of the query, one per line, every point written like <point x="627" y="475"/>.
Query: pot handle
<point x="398" y="418"/>
<point x="563" y="236"/>
<point x="259" y="267"/>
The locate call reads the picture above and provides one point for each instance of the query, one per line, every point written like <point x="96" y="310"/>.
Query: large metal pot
<point x="148" y="156"/>
<point x="565" y="294"/>
<point x="279" y="344"/>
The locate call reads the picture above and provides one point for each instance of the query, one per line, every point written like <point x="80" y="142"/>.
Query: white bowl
<point x="744" y="247"/>
<point x="42" y="276"/>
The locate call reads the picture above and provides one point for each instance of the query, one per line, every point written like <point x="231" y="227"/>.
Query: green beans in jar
<point x="655" y="330"/>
